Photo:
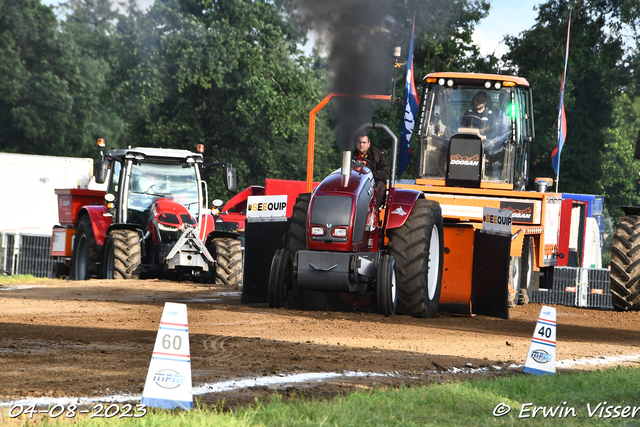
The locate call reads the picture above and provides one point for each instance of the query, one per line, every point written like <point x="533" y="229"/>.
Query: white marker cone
<point x="541" y="359"/>
<point x="168" y="382"/>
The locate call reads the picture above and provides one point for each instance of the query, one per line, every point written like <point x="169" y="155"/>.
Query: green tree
<point x="50" y="89"/>
<point x="620" y="180"/>
<point x="443" y="42"/>
<point x="226" y="74"/>
<point x="596" y="73"/>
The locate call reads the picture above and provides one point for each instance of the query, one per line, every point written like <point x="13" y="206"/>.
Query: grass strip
<point x="603" y="397"/>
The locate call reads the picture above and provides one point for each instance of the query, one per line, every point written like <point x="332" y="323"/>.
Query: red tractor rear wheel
<point x="417" y="247"/>
<point x="85" y="262"/>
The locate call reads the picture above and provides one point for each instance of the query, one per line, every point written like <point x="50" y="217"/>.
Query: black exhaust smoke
<point x="359" y="39"/>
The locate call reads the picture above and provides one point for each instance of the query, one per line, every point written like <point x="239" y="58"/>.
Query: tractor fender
<point x="99" y="222"/>
<point x="400" y="202"/>
<point x="123" y="226"/>
<point x="227" y="234"/>
<point x="206" y="226"/>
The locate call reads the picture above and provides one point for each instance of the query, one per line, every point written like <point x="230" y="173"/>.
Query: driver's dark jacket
<point x="380" y="166"/>
<point x="487" y="117"/>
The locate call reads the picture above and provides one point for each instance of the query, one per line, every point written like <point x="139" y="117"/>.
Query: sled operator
<point x="479" y="113"/>
<point x="378" y="164"/>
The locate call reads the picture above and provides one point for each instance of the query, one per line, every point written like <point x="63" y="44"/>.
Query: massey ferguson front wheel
<point x="625" y="264"/>
<point x="122" y="255"/>
<point x="417" y="248"/>
<point x="228" y="255"/>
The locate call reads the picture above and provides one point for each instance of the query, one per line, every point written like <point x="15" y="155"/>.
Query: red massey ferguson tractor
<point x="152" y="221"/>
<point x="340" y="242"/>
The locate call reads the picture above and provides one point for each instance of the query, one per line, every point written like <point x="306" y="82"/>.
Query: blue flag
<point x="410" y="111"/>
<point x="562" y="118"/>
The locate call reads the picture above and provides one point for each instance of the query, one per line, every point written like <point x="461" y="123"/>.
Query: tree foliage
<point x="596" y="74"/>
<point x="231" y="74"/>
<point x="49" y="91"/>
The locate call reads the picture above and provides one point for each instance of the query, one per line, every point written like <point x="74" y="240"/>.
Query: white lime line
<point x="243" y="383"/>
<point x="605" y="360"/>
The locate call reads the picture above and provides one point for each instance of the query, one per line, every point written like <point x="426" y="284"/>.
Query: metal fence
<point x="25" y="254"/>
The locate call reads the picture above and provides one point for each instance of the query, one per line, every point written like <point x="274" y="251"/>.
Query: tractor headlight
<point x="339" y="232"/>
<point x="168" y="233"/>
<point x="163" y="227"/>
<point x="317" y="230"/>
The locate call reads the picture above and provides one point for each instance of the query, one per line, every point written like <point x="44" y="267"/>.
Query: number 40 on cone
<point x="541" y="358"/>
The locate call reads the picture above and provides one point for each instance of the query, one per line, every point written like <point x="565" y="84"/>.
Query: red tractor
<point x="339" y="241"/>
<point x="152" y="221"/>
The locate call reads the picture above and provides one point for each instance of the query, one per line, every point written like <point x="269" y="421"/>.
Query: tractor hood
<point x="357" y="177"/>
<point x="338" y="213"/>
<point x="170" y="213"/>
<point x="169" y="219"/>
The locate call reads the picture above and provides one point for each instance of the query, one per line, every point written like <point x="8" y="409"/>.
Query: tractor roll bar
<point x="312" y="128"/>
<point x="394" y="144"/>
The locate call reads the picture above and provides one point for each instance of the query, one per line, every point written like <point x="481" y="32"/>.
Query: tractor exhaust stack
<point x="345" y="171"/>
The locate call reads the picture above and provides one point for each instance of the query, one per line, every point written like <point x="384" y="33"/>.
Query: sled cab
<point x="476" y="131"/>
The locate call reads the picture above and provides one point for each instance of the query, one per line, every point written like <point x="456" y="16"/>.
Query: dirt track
<point x="95" y="338"/>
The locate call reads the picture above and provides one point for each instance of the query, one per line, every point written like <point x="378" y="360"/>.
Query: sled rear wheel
<point x="625" y="264"/>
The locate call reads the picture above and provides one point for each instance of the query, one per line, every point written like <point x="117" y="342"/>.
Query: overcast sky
<point x="505" y="17"/>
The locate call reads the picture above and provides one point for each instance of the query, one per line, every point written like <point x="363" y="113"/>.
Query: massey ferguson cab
<point x="151" y="222"/>
<point x="340" y="242"/>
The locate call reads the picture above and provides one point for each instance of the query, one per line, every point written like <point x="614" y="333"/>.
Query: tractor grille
<point x="331" y="212"/>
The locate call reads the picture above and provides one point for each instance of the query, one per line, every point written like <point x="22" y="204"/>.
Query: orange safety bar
<point x="312" y="128"/>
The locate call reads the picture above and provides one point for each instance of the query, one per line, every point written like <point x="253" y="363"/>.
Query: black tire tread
<point x="228" y="255"/>
<point x="127" y="254"/>
<point x="409" y="245"/>
<point x="625" y="264"/>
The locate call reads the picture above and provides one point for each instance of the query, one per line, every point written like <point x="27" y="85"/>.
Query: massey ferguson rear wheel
<point x="279" y="279"/>
<point x="625" y="264"/>
<point x="85" y="261"/>
<point x="297" y="241"/>
<point x="417" y="248"/>
<point x="122" y="251"/>
<point x="228" y="255"/>
<point x="386" y="289"/>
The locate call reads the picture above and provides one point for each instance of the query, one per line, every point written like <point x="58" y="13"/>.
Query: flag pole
<point x="562" y="118"/>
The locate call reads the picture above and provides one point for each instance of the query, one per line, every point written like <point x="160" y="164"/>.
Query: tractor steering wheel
<point x="367" y="162"/>
<point x="474" y="120"/>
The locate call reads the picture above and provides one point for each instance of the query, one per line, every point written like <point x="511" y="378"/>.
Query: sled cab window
<point x="469" y="109"/>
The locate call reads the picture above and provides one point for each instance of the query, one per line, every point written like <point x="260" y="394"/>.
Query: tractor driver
<point x="376" y="161"/>
<point x="480" y="115"/>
